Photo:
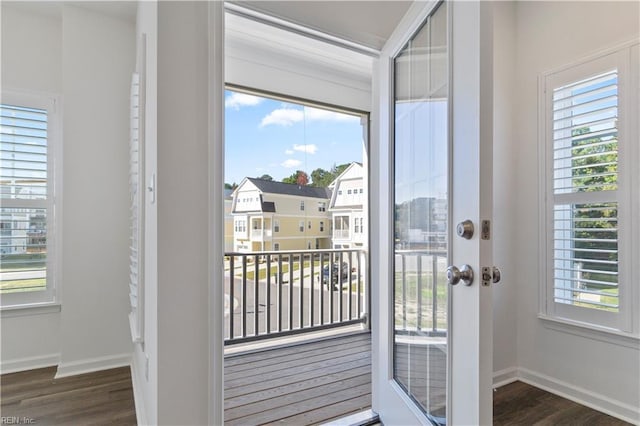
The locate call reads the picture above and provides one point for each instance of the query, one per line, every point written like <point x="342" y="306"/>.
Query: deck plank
<point x="231" y="402"/>
<point x="298" y="348"/>
<point x="312" y="358"/>
<point x="301" y="355"/>
<point x="299" y="408"/>
<point x="250" y="380"/>
<point x="303" y="384"/>
<point x="300" y="397"/>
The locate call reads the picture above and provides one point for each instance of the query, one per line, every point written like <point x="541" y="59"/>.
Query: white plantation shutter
<point x="136" y="279"/>
<point x="26" y="202"/>
<point x="587" y="193"/>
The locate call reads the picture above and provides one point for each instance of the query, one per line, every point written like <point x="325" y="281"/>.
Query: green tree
<point x="299" y="177"/>
<point x="337" y="170"/>
<point x="595" y="168"/>
<point x="321" y="177"/>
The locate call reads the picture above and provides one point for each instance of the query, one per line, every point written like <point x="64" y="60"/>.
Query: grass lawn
<point x="16" y="286"/>
<point x="262" y="272"/>
<point x="411" y="294"/>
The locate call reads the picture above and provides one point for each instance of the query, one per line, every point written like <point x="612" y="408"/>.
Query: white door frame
<point x="470" y="342"/>
<point x="216" y="213"/>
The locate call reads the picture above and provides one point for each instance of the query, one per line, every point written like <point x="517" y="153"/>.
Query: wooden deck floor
<point x="304" y="384"/>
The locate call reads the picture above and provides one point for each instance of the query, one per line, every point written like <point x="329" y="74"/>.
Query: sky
<point x="266" y="136"/>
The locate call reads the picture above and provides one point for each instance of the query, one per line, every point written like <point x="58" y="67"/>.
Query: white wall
<point x="551" y="34"/>
<point x="87" y="58"/>
<point x="504" y="293"/>
<point x="97" y="61"/>
<point x="183" y="245"/>
<point x="34" y="64"/>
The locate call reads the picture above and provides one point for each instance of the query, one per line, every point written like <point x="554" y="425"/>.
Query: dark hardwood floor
<point x="103" y="397"/>
<point x="521" y="404"/>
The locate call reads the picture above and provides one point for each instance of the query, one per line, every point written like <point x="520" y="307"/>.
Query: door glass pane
<point x="421" y="204"/>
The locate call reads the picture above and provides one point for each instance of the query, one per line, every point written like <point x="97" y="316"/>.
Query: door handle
<point x="464" y="274"/>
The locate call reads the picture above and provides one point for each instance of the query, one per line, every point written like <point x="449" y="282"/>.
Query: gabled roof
<point x="347" y="171"/>
<point x="272" y="187"/>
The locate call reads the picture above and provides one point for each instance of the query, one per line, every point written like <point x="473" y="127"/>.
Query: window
<point x="28" y="126"/>
<point x="321" y="226"/>
<point x="357" y="225"/>
<point x="348" y="192"/>
<point x="309" y="224"/>
<point x="276" y="225"/>
<point x="240" y="225"/>
<point x="301" y="205"/>
<point x="588" y="149"/>
<point x="322" y="206"/>
<point x="276" y="246"/>
<point x="301" y="226"/>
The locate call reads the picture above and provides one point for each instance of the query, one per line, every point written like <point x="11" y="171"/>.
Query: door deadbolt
<point x="465" y="229"/>
<point x="464" y="274"/>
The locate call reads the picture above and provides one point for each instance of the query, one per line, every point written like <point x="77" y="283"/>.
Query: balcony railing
<point x="421" y="292"/>
<point x="260" y="233"/>
<point x="341" y="234"/>
<point x="276" y="293"/>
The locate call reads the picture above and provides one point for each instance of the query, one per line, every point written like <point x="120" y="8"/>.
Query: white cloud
<point x="309" y="149"/>
<point x="289" y="116"/>
<point x="288" y="152"/>
<point x="283" y="117"/>
<point x="237" y="100"/>
<point x="291" y="163"/>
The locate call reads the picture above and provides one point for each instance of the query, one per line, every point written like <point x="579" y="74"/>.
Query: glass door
<point x="432" y="336"/>
<point x="421" y="200"/>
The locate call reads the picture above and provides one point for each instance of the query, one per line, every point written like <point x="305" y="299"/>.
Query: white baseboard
<point x="92" y="364"/>
<point x="582" y="396"/>
<point x="138" y="397"/>
<point x="29" y="363"/>
<point x="504" y="377"/>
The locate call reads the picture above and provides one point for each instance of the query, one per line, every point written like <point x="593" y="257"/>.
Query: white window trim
<point x="626" y="330"/>
<point x="27" y="303"/>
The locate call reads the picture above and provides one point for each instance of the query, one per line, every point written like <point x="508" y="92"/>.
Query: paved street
<point x="327" y="303"/>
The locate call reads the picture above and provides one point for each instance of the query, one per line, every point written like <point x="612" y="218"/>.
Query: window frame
<point x="623" y="322"/>
<point x="51" y="295"/>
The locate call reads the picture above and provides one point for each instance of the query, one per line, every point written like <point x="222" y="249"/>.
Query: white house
<point x="347" y="208"/>
<point x="519" y="71"/>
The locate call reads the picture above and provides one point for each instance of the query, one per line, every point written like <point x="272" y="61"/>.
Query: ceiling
<point x="365" y="22"/>
<point x="369" y="23"/>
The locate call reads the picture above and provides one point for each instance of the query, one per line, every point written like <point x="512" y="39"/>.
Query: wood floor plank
<point x="297" y="397"/>
<point x="521" y="404"/>
<point x="294" y="387"/>
<point x="288" y="364"/>
<point x="264" y="362"/>
<point x="293" y="371"/>
<point x="300" y="347"/>
<point x="302" y="406"/>
<point x="331" y="412"/>
<point x="256" y="387"/>
<point x="104" y="397"/>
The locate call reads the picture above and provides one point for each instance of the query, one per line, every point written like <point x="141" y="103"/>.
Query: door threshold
<point x="362" y="418"/>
